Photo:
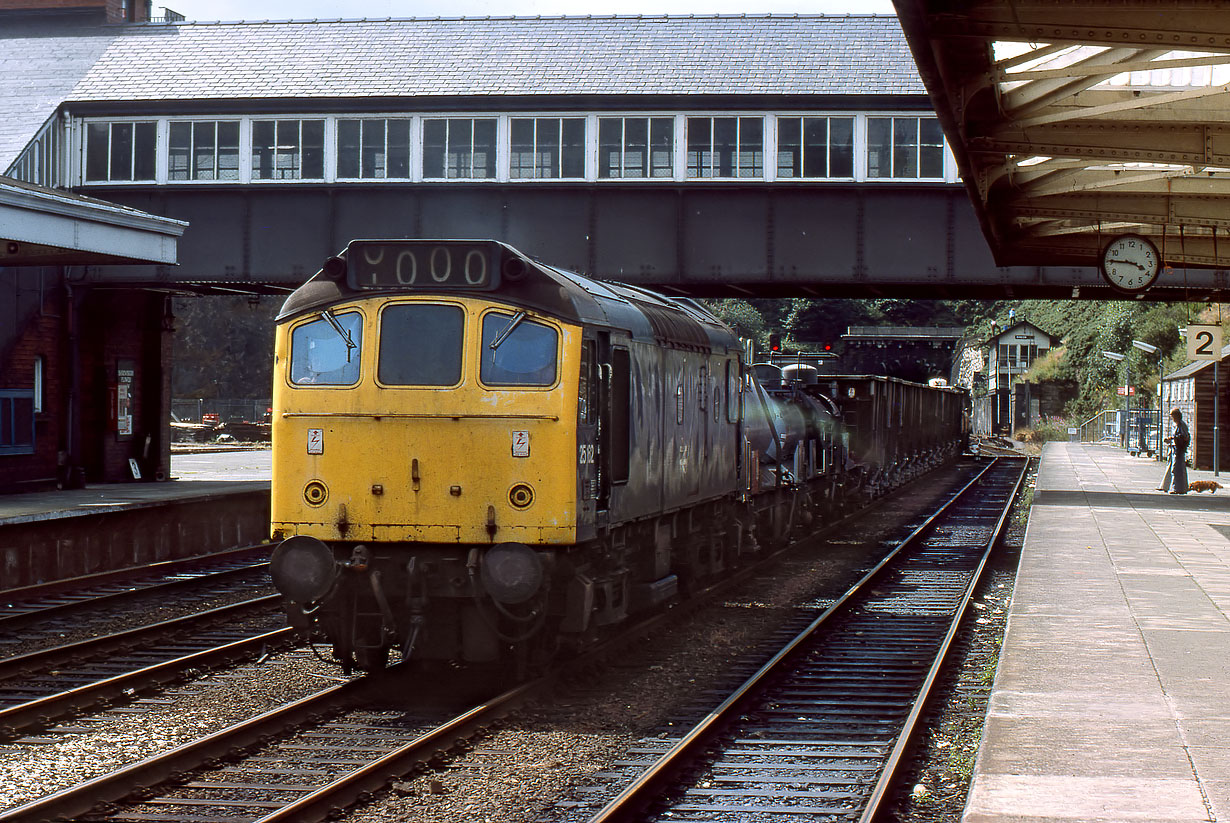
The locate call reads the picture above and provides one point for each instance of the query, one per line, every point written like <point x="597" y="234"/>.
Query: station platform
<point x="33" y="507"/>
<point x="1112" y="697"/>
<point x="57" y="535"/>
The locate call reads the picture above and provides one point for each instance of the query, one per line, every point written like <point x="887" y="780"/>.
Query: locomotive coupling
<point x="303" y="569"/>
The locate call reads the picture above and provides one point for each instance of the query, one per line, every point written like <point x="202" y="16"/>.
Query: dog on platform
<point x="1210" y="486"/>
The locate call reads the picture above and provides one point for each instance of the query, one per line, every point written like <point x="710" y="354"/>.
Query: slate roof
<point x="692" y="55"/>
<point x="39" y="66"/>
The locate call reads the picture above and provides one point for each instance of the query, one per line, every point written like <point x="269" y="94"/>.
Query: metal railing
<point x="1135" y="430"/>
<point x="213" y="410"/>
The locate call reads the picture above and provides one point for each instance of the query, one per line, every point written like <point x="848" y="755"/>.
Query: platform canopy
<point x="1076" y="122"/>
<point x="47" y="227"/>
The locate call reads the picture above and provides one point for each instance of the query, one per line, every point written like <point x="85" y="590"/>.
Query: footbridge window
<point x="547" y="147"/>
<point x="203" y="150"/>
<point x="815" y="147"/>
<point x="905" y="147"/>
<point x="123" y="151"/>
<point x="288" y="149"/>
<point x="500" y="148"/>
<point x="636" y="147"/>
<point x="373" y="149"/>
<point x="459" y="148"/>
<point x="725" y="147"/>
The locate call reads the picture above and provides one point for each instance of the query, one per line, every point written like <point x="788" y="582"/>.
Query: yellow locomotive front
<point x="424" y="451"/>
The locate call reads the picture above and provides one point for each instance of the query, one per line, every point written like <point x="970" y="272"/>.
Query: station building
<point x="694" y="150"/>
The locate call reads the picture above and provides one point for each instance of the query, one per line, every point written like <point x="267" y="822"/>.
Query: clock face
<point x="1130" y="263"/>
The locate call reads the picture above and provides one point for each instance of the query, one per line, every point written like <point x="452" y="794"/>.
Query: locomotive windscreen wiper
<point x="507" y="330"/>
<point x="337" y="327"/>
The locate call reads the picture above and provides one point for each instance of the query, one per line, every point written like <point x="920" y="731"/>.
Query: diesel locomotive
<point x="479" y="458"/>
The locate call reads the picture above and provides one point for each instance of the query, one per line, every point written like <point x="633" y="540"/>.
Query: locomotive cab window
<point x="325" y="351"/>
<point x="420" y="344"/>
<point x="517" y="351"/>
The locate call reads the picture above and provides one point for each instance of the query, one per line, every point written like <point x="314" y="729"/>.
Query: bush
<point x="1044" y="430"/>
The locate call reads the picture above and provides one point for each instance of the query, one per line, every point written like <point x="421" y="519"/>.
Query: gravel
<point x="556" y="753"/>
<point x="550" y="758"/>
<point x="35" y="766"/>
<point x="934" y="785"/>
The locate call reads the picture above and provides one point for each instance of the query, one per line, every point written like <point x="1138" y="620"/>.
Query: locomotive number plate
<point x="520" y="444"/>
<point x="316" y="441"/>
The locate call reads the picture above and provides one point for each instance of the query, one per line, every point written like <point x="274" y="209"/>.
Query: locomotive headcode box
<point x="427" y="265"/>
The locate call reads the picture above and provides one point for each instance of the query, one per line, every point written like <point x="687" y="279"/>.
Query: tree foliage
<point x="224" y="345"/>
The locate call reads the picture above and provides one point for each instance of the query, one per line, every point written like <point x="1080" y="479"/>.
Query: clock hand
<point x="1129" y="262"/>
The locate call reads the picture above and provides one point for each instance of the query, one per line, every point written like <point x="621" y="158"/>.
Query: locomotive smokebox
<point x="512" y="573"/>
<point x="303" y="569"/>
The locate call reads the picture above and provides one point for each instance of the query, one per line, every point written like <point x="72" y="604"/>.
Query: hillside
<point x="1086" y="327"/>
<point x="224" y="345"/>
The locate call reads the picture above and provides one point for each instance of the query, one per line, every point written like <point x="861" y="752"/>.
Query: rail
<point x="884" y="623"/>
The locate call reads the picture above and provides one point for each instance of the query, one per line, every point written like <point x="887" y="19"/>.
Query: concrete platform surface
<point x="34" y="507"/>
<point x="196" y="476"/>
<point x="1112" y="697"/>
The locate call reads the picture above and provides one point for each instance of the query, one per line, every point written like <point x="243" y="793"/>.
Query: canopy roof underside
<point x="1074" y="121"/>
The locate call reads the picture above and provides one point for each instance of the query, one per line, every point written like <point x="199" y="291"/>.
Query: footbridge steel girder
<point x="720" y="240"/>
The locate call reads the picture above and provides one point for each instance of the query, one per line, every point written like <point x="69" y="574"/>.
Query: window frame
<point x="8" y="399"/>
<point x="40" y="384"/>
<point x="917" y="146"/>
<point x="447" y="119"/>
<point x="314" y="316"/>
<point x="333" y="154"/>
<point x="540" y="320"/>
<point x="536" y="150"/>
<point x="650" y="120"/>
<point x="111" y="123"/>
<point x="464" y="361"/>
<point x="736" y="164"/>
<point x="164" y="159"/>
<point x="828" y="118"/>
<point x="327" y="147"/>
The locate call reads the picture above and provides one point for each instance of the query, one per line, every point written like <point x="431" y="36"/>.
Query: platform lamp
<point x="1127" y="382"/>
<point x="1148" y="348"/>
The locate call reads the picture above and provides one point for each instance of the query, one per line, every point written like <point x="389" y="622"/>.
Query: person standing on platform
<point x="1175" y="480"/>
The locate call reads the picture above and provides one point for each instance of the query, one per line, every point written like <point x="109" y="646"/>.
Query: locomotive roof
<point x="565" y="295"/>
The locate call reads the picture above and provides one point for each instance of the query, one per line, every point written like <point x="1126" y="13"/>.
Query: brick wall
<point x="112" y="11"/>
<point x="32" y="326"/>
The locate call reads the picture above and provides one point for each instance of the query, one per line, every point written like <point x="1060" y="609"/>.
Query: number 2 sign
<point x="1204" y="342"/>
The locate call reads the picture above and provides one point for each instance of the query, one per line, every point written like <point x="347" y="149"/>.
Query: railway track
<point x="818" y="731"/>
<point x="48" y="607"/>
<point x="39" y="688"/>
<point x="301" y="762"/>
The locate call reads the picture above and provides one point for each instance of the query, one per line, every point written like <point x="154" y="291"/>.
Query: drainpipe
<point x="72" y="473"/>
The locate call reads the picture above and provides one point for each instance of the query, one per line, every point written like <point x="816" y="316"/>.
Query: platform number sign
<point x="316" y="441"/>
<point x="1204" y="342"/>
